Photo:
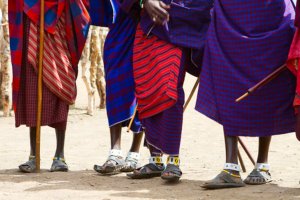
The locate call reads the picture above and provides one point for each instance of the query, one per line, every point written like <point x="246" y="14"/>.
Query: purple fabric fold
<point x="297" y="18"/>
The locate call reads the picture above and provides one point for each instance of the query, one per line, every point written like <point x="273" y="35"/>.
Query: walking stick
<point x="246" y="150"/>
<point x="266" y="80"/>
<point x="191" y="94"/>
<point x="40" y="89"/>
<point x="132" y="119"/>
<point x="241" y="161"/>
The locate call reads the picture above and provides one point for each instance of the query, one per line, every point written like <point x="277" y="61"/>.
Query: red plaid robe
<point x="77" y="25"/>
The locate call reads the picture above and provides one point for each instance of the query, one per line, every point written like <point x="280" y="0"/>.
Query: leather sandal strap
<point x="150" y="167"/>
<point x="174" y="169"/>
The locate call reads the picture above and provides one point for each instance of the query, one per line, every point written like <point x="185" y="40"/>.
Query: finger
<point x="165" y="6"/>
<point x="158" y="19"/>
<point x="161" y="13"/>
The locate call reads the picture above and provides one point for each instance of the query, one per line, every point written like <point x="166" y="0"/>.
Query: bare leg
<point x="133" y="156"/>
<point x="263" y="149"/>
<point x="115" y="162"/>
<point x="231" y="151"/>
<point x="60" y="143"/>
<point x="230" y="176"/>
<point x="115" y="136"/>
<point x="260" y="175"/>
<point x="32" y="141"/>
<point x="59" y="163"/>
<point x="30" y="165"/>
<point x="136" y="142"/>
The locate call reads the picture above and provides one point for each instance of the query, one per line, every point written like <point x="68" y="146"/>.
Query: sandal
<point x="260" y="175"/>
<point x="172" y="173"/>
<point x="153" y="169"/>
<point x="59" y="165"/>
<point x="29" y="166"/>
<point x="131" y="162"/>
<point x="113" y="165"/>
<point x="226" y="179"/>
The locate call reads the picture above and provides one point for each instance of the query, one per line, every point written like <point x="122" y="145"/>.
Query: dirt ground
<point x="87" y="143"/>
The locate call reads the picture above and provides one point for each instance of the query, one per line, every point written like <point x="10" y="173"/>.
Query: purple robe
<point x="247" y="40"/>
<point x="297" y="18"/>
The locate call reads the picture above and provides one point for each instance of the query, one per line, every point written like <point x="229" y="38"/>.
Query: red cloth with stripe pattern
<point x="156" y="65"/>
<point x="58" y="73"/>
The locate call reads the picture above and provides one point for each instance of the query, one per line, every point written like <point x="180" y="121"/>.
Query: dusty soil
<point x="87" y="143"/>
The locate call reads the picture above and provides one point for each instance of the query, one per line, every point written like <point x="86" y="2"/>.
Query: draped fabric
<point x="118" y="52"/>
<point x="243" y="47"/>
<point x="297" y="18"/>
<point x="101" y="12"/>
<point x="58" y="73"/>
<point x="156" y="66"/>
<point x="77" y="24"/>
<point x="53" y="11"/>
<point x="294" y="56"/>
<point x="54" y="110"/>
<point x="163" y="130"/>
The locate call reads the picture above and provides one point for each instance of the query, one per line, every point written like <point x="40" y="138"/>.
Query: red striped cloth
<point x="58" y="73"/>
<point x="156" y="65"/>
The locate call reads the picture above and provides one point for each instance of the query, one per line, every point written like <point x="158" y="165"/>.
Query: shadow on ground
<point x="151" y="189"/>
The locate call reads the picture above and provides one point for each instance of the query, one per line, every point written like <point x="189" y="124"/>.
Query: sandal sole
<point x="222" y="186"/>
<point x="108" y="170"/>
<point x="59" y="170"/>
<point x="144" y="176"/>
<point x="127" y="170"/>
<point x="171" y="178"/>
<point x="262" y="183"/>
<point x="26" y="171"/>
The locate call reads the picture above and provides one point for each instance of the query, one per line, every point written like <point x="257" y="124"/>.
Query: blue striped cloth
<point x="101" y="12"/>
<point x="247" y="40"/>
<point x="118" y="51"/>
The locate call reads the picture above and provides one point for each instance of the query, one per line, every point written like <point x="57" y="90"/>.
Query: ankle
<point x="157" y="160"/>
<point x="174" y="160"/>
<point x="134" y="150"/>
<point x="133" y="156"/>
<point x="32" y="157"/>
<point x="262" y="167"/>
<point x="116" y="153"/>
<point x="232" y="168"/>
<point x="59" y="155"/>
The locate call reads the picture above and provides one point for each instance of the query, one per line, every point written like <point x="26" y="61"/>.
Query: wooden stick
<point x="132" y="119"/>
<point x="191" y="94"/>
<point x="40" y="89"/>
<point x="246" y="150"/>
<point x="241" y="161"/>
<point x="263" y="82"/>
